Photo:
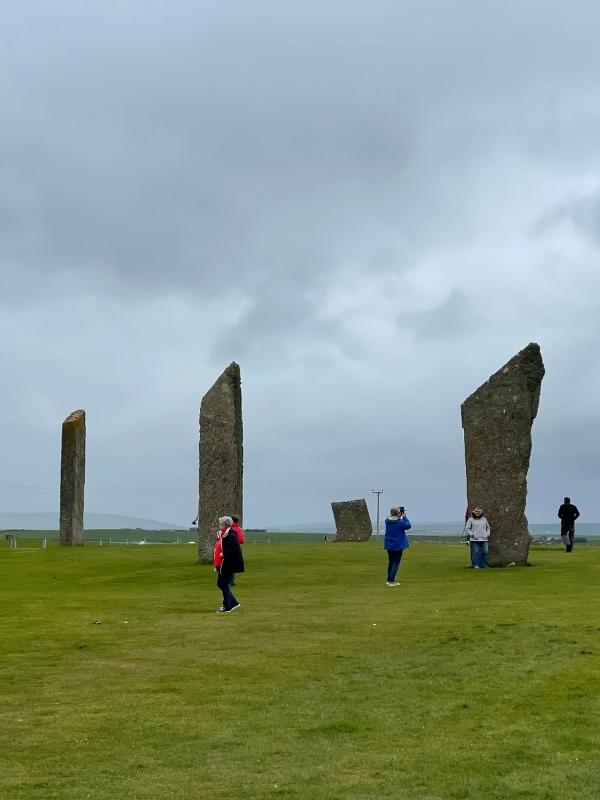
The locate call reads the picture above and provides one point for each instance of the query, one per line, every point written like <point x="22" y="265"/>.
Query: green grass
<point x="326" y="684"/>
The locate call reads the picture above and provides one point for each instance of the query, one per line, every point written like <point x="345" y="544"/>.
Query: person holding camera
<point x="395" y="541"/>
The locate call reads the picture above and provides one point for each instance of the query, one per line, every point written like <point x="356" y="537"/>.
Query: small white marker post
<point x="45" y="544"/>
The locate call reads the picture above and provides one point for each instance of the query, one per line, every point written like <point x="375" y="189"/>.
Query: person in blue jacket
<point x="395" y="541"/>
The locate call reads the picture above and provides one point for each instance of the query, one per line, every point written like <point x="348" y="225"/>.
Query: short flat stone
<point x="352" y="521"/>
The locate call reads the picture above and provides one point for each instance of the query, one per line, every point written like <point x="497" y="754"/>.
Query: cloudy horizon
<point x="370" y="209"/>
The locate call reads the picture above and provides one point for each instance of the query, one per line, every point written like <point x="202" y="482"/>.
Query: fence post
<point x="45" y="544"/>
<point x="100" y="542"/>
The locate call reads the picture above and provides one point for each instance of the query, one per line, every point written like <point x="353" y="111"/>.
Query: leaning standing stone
<point x="221" y="457"/>
<point x="497" y="420"/>
<point x="72" y="479"/>
<point x="352" y="521"/>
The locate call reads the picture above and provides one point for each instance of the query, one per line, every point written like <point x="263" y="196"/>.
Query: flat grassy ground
<point x="326" y="684"/>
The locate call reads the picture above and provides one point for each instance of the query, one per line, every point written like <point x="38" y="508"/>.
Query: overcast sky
<point x="370" y="207"/>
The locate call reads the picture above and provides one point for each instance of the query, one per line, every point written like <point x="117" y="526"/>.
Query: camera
<point x="401" y="509"/>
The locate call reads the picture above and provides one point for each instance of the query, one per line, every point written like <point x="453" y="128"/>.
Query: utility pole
<point x="377" y="492"/>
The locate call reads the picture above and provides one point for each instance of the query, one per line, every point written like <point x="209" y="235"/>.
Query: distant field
<point x="129" y="536"/>
<point x="119" y="680"/>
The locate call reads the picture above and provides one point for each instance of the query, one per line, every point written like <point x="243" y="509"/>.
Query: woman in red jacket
<point x="218" y="549"/>
<point x="227" y="558"/>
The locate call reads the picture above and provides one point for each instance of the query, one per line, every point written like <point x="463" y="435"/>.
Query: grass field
<point x="326" y="684"/>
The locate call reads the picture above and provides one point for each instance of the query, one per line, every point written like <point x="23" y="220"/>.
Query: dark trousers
<point x="223" y="582"/>
<point x="394" y="559"/>
<point x="567" y="531"/>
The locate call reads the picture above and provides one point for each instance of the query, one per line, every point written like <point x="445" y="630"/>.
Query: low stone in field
<point x="352" y="521"/>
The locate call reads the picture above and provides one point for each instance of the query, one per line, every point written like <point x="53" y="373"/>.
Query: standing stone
<point x="72" y="479"/>
<point x="352" y="521"/>
<point x="221" y="457"/>
<point x="497" y="420"/>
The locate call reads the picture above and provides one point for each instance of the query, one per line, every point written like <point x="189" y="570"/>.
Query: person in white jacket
<point x="478" y="530"/>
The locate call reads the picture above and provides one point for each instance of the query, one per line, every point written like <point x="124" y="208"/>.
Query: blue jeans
<point x="479" y="554"/>
<point x="229" y="599"/>
<point x="394" y="559"/>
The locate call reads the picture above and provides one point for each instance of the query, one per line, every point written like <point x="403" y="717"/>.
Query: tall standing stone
<point x="497" y="420"/>
<point x="72" y="478"/>
<point x="352" y="521"/>
<point x="221" y="457"/>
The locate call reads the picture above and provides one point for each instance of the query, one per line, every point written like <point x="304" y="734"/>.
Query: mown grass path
<point x="326" y="684"/>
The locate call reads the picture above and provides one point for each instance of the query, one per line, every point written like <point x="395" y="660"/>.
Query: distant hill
<point x="48" y="521"/>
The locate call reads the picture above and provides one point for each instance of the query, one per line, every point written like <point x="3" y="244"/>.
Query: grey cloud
<point x="189" y="183"/>
<point x="194" y="148"/>
<point x="455" y="316"/>
<point x="582" y="213"/>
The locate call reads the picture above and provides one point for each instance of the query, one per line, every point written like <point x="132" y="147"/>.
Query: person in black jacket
<point x="232" y="562"/>
<point x="567" y="514"/>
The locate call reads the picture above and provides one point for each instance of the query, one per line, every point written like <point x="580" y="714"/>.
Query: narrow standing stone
<point x="72" y="479"/>
<point x="221" y="457"/>
<point x="497" y="420"/>
<point x="352" y="521"/>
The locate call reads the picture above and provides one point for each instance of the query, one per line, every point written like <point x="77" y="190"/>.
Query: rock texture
<point x="352" y="521"/>
<point x="497" y="420"/>
<point x="72" y="479"/>
<point x="221" y="457"/>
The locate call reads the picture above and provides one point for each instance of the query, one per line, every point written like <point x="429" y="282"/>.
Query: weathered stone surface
<point x="72" y="479"/>
<point x="221" y="457"/>
<point x="352" y="521"/>
<point x="497" y="420"/>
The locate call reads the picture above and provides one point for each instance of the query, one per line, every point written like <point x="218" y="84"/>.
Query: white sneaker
<point x="233" y="608"/>
<point x="390" y="583"/>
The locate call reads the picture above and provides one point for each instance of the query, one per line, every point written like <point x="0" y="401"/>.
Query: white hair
<point x="225" y="522"/>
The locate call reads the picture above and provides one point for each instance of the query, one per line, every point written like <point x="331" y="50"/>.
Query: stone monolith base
<point x="72" y="479"/>
<point x="352" y="521"/>
<point x="221" y="457"/>
<point x="497" y="420"/>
